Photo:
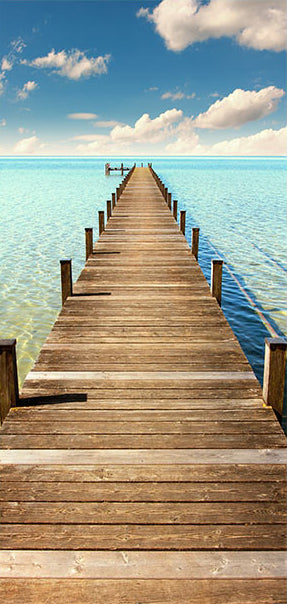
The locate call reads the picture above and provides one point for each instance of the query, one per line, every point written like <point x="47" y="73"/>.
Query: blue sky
<point x="111" y="77"/>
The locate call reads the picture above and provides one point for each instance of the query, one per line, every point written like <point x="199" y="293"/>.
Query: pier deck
<point x="144" y="468"/>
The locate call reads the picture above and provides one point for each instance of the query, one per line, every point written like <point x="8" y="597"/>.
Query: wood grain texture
<point x="142" y="464"/>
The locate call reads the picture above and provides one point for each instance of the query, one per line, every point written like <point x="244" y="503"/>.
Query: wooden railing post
<point x="182" y="221"/>
<point x="169" y="200"/>
<point x="66" y="279"/>
<point x="175" y="209"/>
<point x="117" y="194"/>
<point x="101" y="222"/>
<point x="216" y="279"/>
<point x="109" y="209"/>
<point x="9" y="389"/>
<point x="113" y="200"/>
<point x="274" y="372"/>
<point x="165" y="193"/>
<point x="89" y="242"/>
<point x="195" y="241"/>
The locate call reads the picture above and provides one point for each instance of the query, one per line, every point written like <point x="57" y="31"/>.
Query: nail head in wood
<point x="274" y="373"/>
<point x="216" y="279"/>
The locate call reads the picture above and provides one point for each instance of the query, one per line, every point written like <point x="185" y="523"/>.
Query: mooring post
<point x="195" y="241"/>
<point x="66" y="279"/>
<point x="274" y="373"/>
<point x="117" y="194"/>
<point x="216" y="279"/>
<point x="101" y="221"/>
<point x="89" y="242"/>
<point x="109" y="209"/>
<point x="113" y="200"/>
<point x="122" y="169"/>
<point x="169" y="200"/>
<point x="165" y="193"/>
<point x="175" y="209"/>
<point x="9" y="389"/>
<point x="182" y="221"/>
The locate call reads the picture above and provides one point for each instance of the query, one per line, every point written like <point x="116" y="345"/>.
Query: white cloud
<point x="259" y="24"/>
<point x="177" y="96"/>
<point x="72" y="64"/>
<point x="266" y="142"/>
<point x="6" y="64"/>
<point x="2" y="123"/>
<point x="26" y="146"/>
<point x="107" y="124"/>
<point x="147" y="129"/>
<point x="27" y="88"/>
<point x="82" y="116"/>
<point x="240" y="107"/>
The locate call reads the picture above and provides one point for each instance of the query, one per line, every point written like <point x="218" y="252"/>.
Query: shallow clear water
<point x="239" y="205"/>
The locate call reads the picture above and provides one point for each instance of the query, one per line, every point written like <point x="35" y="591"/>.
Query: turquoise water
<point x="239" y="205"/>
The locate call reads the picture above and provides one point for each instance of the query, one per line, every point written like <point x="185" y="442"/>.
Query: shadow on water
<point x="243" y="317"/>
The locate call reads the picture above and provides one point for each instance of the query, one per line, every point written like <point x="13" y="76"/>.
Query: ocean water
<point x="238" y="203"/>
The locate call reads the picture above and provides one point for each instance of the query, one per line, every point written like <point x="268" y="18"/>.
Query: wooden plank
<point x="144" y="456"/>
<point x="146" y="473"/>
<point x="132" y="537"/>
<point x="143" y="491"/>
<point x="141" y="565"/>
<point x="94" y="591"/>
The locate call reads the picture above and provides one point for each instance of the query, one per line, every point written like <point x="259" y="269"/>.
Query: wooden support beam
<point x="109" y="209"/>
<point x="66" y="279"/>
<point x="89" y="242"/>
<point x="175" y="209"/>
<point x="182" y="221"/>
<point x="113" y="200"/>
<point x="101" y="222"/>
<point x="216" y="279"/>
<point x="169" y="200"/>
<point x="274" y="372"/>
<point x="165" y="193"/>
<point x="195" y="242"/>
<point x="117" y="193"/>
<point x="9" y="389"/>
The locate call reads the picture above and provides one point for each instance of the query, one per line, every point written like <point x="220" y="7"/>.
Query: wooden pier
<point x="141" y="465"/>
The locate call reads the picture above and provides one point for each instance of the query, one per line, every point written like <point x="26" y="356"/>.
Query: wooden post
<point x="165" y="193"/>
<point x="109" y="209"/>
<point x="195" y="240"/>
<point x="274" y="372"/>
<point x="182" y="221"/>
<point x="175" y="209"/>
<point x="216" y="279"/>
<point x="66" y="279"/>
<point x="9" y="389"/>
<point x="89" y="242"/>
<point x="101" y="222"/>
<point x="117" y="194"/>
<point x="169" y="200"/>
<point x="113" y="200"/>
<point x="122" y="169"/>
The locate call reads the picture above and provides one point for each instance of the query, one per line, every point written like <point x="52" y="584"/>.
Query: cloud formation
<point x="255" y="24"/>
<point x="240" y="107"/>
<point x="82" y="116"/>
<point x="27" y="88"/>
<point x="266" y="142"/>
<point x="72" y="64"/>
<point x="27" y="146"/>
<point x="177" y="96"/>
<point x="147" y="129"/>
